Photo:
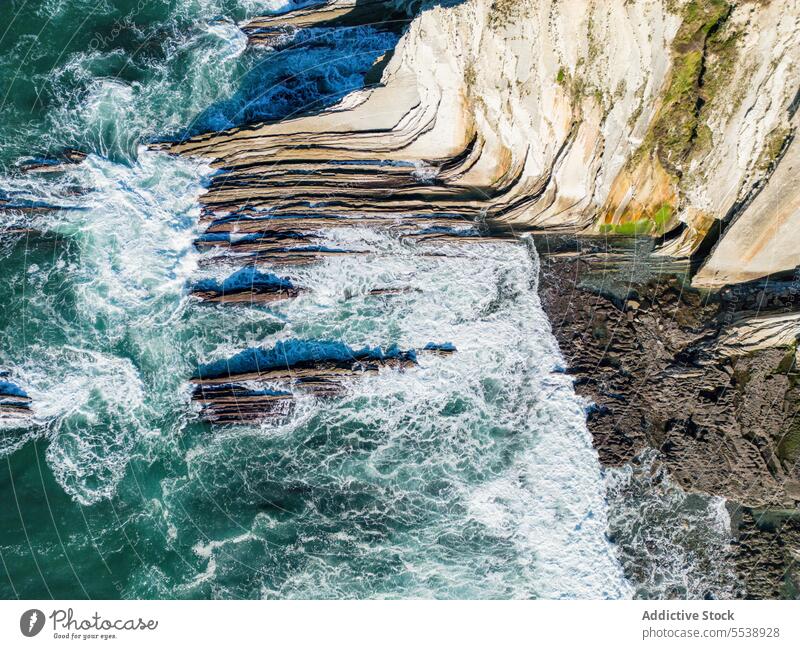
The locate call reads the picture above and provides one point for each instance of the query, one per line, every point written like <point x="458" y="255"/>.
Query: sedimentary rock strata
<point x="765" y="238"/>
<point x="269" y="30"/>
<point x="670" y="121"/>
<point x="227" y="389"/>
<point x="302" y="363"/>
<point x="55" y="164"/>
<point x="645" y="117"/>
<point x="664" y="118"/>
<point x="14" y="402"/>
<point x="233" y="403"/>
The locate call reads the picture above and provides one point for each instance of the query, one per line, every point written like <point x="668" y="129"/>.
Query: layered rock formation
<point x="710" y="380"/>
<point x="622" y="117"/>
<point x="14" y="402"/>
<point x="669" y="121"/>
<point x="259" y="384"/>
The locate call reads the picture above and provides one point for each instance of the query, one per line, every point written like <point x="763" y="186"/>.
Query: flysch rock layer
<point x="567" y="116"/>
<point x="670" y="119"/>
<point x="259" y="384"/>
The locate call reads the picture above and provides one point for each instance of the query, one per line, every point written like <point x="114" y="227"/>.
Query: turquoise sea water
<point x="471" y="475"/>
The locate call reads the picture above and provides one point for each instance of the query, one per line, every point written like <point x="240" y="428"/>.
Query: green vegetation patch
<point x="662" y="218"/>
<point x="655" y="223"/>
<point x="627" y="229"/>
<point x="678" y="123"/>
<point x="789" y="446"/>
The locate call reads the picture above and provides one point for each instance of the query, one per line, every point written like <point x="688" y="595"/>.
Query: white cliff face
<point x="563" y="95"/>
<point x="618" y="117"/>
<point x="765" y="237"/>
<point x="559" y="96"/>
<point x="753" y="105"/>
<point x="751" y="119"/>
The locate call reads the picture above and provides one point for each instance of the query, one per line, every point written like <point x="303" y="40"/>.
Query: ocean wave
<point x="466" y="476"/>
<point x="131" y="247"/>
<point x="672" y="544"/>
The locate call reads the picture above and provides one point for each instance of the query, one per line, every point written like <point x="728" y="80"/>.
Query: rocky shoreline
<point x="652" y="355"/>
<point x="678" y="333"/>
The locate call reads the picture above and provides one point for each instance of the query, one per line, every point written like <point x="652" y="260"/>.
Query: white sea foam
<point x="96" y="419"/>
<point x="233" y="40"/>
<point x="133" y="233"/>
<point x="113" y="116"/>
<point x="540" y="503"/>
<point x="671" y="543"/>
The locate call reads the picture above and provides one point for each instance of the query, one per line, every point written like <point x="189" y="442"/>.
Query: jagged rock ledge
<point x="246" y="285"/>
<point x="54" y="164"/>
<point x="709" y="379"/>
<point x="227" y="389"/>
<point x="392" y="14"/>
<point x="14" y="402"/>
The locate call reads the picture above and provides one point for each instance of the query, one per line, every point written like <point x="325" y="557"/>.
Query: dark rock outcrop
<point x="643" y="347"/>
<point x="225" y="388"/>
<point x="246" y="285"/>
<point x="766" y="553"/>
<point x="14" y="401"/>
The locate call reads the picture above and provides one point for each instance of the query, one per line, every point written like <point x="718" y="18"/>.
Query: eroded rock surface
<point x="667" y="119"/>
<point x="654" y="358"/>
<point x="766" y="552"/>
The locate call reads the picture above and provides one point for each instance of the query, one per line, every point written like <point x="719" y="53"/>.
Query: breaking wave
<point x="466" y="475"/>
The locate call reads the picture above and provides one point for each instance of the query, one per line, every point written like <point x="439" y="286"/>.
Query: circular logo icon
<point x="31" y="622"/>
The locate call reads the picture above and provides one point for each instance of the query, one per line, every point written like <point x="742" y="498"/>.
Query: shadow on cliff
<point x="307" y="70"/>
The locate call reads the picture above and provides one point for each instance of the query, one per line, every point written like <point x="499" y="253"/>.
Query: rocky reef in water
<point x="259" y="384"/>
<point x="648" y="144"/>
<point x="15" y="404"/>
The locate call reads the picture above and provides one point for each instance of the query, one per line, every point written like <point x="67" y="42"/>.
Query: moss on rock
<point x="702" y="57"/>
<point x="678" y="122"/>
